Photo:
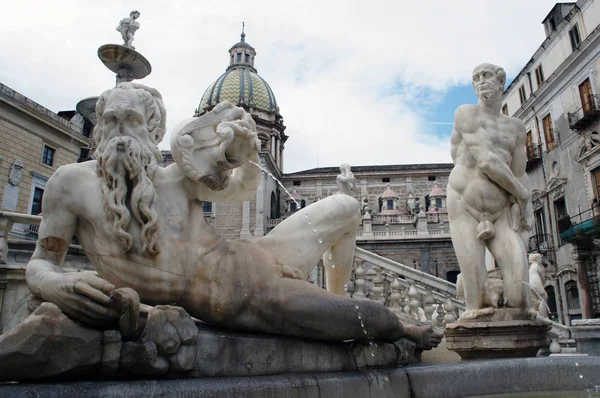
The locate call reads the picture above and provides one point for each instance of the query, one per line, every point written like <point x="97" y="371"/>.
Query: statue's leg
<point x="509" y="251"/>
<point x="298" y="308"/>
<point x="338" y="263"/>
<point x="470" y="253"/>
<point x="325" y="227"/>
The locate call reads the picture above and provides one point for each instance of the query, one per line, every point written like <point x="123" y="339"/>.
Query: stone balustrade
<point x="392" y="219"/>
<point x="389" y="233"/>
<point x="413" y="295"/>
<point x="273" y="222"/>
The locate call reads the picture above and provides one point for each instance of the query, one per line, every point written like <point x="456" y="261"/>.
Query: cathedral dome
<point x="240" y="84"/>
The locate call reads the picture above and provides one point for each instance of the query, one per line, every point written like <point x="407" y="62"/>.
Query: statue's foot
<point x="473" y="314"/>
<point x="424" y="336"/>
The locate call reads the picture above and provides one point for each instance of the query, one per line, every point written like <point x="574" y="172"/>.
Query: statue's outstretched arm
<point x="81" y="295"/>
<point x="481" y="147"/>
<point x="215" y="151"/>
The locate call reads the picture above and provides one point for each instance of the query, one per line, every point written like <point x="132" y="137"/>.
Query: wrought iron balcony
<point x="583" y="225"/>
<point x="534" y="156"/>
<point x="587" y="114"/>
<point x="540" y="243"/>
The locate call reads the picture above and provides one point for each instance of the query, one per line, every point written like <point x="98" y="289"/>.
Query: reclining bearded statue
<point x="142" y="227"/>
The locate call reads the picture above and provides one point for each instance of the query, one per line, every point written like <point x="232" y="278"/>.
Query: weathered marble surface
<point x="171" y="344"/>
<point x="507" y="333"/>
<point x="142" y="227"/>
<point x="489" y="194"/>
<point x="458" y="380"/>
<point x="537" y="275"/>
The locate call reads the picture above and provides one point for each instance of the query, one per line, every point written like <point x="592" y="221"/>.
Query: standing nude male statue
<point x="142" y="226"/>
<point x="488" y="194"/>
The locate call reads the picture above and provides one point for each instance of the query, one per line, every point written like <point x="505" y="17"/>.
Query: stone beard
<point x="126" y="167"/>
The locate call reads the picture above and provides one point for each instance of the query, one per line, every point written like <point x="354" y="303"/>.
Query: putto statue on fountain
<point x="127" y="27"/>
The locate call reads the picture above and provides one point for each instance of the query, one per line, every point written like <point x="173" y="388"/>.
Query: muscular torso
<point x="467" y="179"/>
<point x="196" y="268"/>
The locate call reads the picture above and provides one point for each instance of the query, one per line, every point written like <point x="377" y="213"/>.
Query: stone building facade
<point x="393" y="228"/>
<point x="34" y="143"/>
<point x="557" y="96"/>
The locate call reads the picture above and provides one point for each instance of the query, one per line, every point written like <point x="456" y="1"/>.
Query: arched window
<point x="274" y="206"/>
<point x="572" y="295"/>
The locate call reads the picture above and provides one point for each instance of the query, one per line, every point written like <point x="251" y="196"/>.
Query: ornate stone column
<point x="585" y="301"/>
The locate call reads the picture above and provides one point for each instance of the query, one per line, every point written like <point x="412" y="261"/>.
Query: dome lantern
<point x="241" y="85"/>
<point x="242" y="53"/>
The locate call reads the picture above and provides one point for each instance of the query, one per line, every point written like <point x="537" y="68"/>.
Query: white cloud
<point x="346" y="74"/>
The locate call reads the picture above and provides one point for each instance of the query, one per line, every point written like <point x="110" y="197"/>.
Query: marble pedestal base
<point x="492" y="338"/>
<point x="586" y="333"/>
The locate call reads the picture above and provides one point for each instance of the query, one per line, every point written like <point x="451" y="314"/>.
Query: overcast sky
<point x="360" y="82"/>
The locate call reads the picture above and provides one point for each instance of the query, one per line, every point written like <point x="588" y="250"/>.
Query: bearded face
<point x="488" y="81"/>
<point x="127" y="158"/>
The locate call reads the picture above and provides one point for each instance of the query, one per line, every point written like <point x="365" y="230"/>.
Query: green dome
<point x="239" y="85"/>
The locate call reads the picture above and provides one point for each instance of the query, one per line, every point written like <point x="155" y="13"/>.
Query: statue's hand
<point x="524" y="221"/>
<point x="527" y="219"/>
<point x="244" y="144"/>
<point x="206" y="148"/>
<point x="82" y="296"/>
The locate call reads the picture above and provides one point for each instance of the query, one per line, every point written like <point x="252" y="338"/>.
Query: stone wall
<point x="25" y="128"/>
<point x="228" y="220"/>
<point x="434" y="257"/>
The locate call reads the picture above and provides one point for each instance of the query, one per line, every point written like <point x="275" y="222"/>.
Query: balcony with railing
<point x="589" y="112"/>
<point x="540" y="243"/>
<point x="583" y="225"/>
<point x="534" y="156"/>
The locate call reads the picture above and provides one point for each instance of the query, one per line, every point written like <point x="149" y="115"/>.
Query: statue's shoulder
<point x="73" y="175"/>
<point x="466" y="110"/>
<point x="516" y="122"/>
<point x="465" y="117"/>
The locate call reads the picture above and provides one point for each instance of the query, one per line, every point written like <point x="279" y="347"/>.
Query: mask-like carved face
<point x="209" y="147"/>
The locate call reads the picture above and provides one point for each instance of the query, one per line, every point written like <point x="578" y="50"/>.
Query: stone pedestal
<point x="498" y="336"/>
<point x="586" y="333"/>
<point x="48" y="344"/>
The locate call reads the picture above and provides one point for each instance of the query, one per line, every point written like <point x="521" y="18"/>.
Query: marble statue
<point x="127" y="27"/>
<point x="345" y="180"/>
<point x="366" y="209"/>
<point x="493" y="291"/>
<point x="142" y="227"/>
<point x="537" y="275"/>
<point x="489" y="195"/>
